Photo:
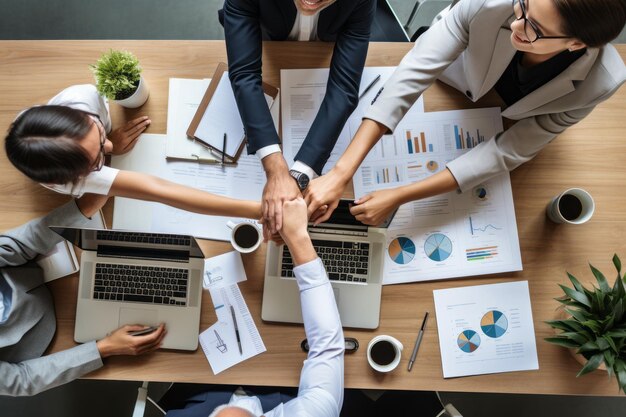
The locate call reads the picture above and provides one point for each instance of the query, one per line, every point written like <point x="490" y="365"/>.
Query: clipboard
<point x="197" y="123"/>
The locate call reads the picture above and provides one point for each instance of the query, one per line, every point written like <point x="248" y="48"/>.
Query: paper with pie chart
<point x="485" y="329"/>
<point x="451" y="235"/>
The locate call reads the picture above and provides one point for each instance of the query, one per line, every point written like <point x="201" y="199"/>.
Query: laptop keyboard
<point x="344" y="261"/>
<point x="155" y="238"/>
<point x="139" y="283"/>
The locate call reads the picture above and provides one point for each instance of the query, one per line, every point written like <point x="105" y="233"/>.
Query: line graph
<point x="474" y="228"/>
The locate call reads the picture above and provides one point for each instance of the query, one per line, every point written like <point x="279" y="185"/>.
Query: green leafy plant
<point x="596" y="328"/>
<point x="117" y="74"/>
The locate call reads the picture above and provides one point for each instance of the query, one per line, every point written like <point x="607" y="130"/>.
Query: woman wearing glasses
<point x="548" y="60"/>
<point x="63" y="145"/>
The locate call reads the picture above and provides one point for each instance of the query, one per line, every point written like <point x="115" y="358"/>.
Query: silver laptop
<point x="137" y="278"/>
<point x="353" y="255"/>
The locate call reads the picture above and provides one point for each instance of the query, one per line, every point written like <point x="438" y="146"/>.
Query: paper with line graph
<point x="447" y="236"/>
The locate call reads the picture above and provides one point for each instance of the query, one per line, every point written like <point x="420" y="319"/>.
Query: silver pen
<point x="417" y="342"/>
<point x="232" y="311"/>
<point x="369" y="86"/>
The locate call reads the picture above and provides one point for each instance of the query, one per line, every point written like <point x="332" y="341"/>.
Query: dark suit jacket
<point x="248" y="22"/>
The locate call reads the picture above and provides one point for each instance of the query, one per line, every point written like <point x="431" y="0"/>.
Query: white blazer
<point x="473" y="64"/>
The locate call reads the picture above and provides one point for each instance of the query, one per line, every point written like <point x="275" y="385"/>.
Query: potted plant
<point x="118" y="78"/>
<point x="595" y="326"/>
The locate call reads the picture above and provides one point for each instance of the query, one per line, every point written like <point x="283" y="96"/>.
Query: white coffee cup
<point x="245" y="237"/>
<point x="397" y="352"/>
<point x="579" y="211"/>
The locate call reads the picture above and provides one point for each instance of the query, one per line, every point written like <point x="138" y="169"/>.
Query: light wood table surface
<point x="589" y="155"/>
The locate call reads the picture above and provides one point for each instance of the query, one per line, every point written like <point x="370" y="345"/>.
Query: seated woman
<point x="63" y="145"/>
<point x="27" y="319"/>
<point x="549" y="60"/>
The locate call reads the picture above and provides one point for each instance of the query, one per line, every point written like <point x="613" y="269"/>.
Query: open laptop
<point x="353" y="255"/>
<point x="137" y="278"/>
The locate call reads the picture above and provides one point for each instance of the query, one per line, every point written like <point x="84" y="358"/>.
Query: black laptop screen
<point x="342" y="216"/>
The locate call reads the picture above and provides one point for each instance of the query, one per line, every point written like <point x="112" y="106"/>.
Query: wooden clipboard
<point x="204" y="104"/>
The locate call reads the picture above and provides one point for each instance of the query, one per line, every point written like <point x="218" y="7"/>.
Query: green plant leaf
<point x="611" y="343"/>
<point x="618" y="264"/>
<point x="592" y="364"/>
<point x="579" y="315"/>
<point x="616" y="333"/>
<point x="621" y="380"/>
<point x="577" y="285"/>
<point x="575" y="295"/>
<point x="609" y="360"/>
<point x="589" y="347"/>
<point x="561" y="342"/>
<point x="576" y="337"/>
<point x="604" y="284"/>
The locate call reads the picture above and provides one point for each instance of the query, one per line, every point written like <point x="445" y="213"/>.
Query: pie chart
<point x="438" y="247"/>
<point x="494" y="324"/>
<point x="432" y="166"/>
<point x="402" y="250"/>
<point x="468" y="341"/>
<point x="481" y="192"/>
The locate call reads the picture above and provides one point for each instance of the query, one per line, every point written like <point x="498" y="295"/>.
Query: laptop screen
<point x="342" y="216"/>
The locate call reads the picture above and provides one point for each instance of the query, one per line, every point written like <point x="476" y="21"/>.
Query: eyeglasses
<point x="532" y="31"/>
<point x="97" y="166"/>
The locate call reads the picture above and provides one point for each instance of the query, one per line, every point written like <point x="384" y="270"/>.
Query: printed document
<point x="486" y="329"/>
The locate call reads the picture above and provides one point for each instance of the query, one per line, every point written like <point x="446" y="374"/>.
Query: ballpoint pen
<point x="417" y="342"/>
<point x="369" y="86"/>
<point x="224" y="148"/>
<point x="232" y="311"/>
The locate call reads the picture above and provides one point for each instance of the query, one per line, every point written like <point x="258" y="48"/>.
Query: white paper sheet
<point x="223" y="270"/>
<point x="244" y="181"/>
<point x="184" y="98"/>
<point x="451" y="235"/>
<point x="486" y="329"/>
<point x="219" y="341"/>
<point x="302" y="93"/>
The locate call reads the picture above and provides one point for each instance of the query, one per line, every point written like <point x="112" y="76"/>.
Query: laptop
<point x="137" y="278"/>
<point x="353" y="255"/>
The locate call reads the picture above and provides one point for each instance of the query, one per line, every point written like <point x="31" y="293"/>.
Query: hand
<point x="280" y="187"/>
<point x="125" y="138"/>
<point x="374" y="208"/>
<point x="295" y="219"/>
<point x="121" y="342"/>
<point x="322" y="196"/>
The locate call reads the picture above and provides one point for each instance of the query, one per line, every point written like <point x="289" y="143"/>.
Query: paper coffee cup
<point x="384" y="353"/>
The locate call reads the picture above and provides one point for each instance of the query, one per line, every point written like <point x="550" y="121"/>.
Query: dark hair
<point x="594" y="22"/>
<point x="43" y="144"/>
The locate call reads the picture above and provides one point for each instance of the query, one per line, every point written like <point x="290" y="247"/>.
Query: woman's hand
<point x="374" y="208"/>
<point x="125" y="138"/>
<point x="122" y="342"/>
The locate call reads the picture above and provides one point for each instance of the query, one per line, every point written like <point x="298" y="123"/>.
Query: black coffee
<point x="570" y="207"/>
<point x="383" y="352"/>
<point x="246" y="236"/>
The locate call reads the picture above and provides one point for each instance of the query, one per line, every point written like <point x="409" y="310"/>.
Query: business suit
<point x="30" y="325"/>
<point x="473" y="64"/>
<point x="248" y="22"/>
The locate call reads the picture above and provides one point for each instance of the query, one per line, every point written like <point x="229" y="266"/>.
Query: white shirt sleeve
<point x="305" y="169"/>
<point x="267" y="150"/>
<point x="97" y="182"/>
<point x="85" y="97"/>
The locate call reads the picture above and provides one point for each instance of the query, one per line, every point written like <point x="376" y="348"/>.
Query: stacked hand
<point x="322" y="196"/>
<point x="125" y="138"/>
<point x="280" y="187"/>
<point x="122" y="342"/>
<point x="374" y="208"/>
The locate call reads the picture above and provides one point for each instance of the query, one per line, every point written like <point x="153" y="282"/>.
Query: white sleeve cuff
<point x="267" y="150"/>
<point x="310" y="274"/>
<point x="305" y="169"/>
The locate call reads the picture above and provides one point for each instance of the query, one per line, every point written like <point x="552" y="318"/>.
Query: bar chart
<point x="466" y="140"/>
<point x="417" y="143"/>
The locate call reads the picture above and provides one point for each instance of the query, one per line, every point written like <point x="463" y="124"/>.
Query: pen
<point x="232" y="311"/>
<point x="224" y="148"/>
<point x="374" y="81"/>
<point x="417" y="342"/>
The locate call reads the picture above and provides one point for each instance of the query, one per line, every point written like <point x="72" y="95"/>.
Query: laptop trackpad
<point x="138" y="316"/>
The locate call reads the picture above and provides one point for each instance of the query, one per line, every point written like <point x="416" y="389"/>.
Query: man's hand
<point x="294" y="231"/>
<point x="322" y="196"/>
<point x="280" y="187"/>
<point x="122" y="342"/>
<point x="374" y="208"/>
<point x="124" y="138"/>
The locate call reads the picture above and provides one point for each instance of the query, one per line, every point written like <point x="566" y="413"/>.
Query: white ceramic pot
<point x="138" y="98"/>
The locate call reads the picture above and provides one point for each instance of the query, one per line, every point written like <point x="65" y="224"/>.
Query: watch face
<point x="303" y="181"/>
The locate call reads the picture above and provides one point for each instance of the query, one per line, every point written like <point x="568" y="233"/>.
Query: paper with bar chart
<point x="302" y="93"/>
<point x="452" y="235"/>
<point x="486" y="329"/>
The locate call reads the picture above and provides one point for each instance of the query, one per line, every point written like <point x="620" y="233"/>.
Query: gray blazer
<point x="473" y="64"/>
<point x="30" y="325"/>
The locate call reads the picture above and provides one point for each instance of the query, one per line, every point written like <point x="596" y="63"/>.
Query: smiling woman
<point x="62" y="145"/>
<point x="548" y="60"/>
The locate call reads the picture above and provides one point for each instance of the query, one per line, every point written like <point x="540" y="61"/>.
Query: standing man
<point x="246" y="24"/>
<point x="320" y="393"/>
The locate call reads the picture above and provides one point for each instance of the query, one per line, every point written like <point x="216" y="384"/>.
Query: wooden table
<point x="589" y="155"/>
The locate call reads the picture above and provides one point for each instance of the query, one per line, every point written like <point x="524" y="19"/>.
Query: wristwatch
<point x="301" y="179"/>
